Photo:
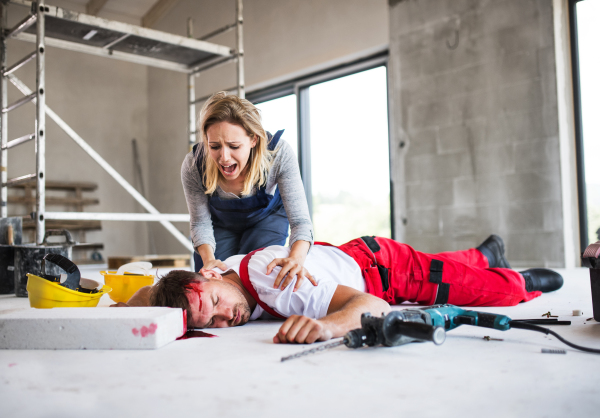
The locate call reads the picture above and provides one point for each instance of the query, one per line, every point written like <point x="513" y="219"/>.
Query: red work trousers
<point x="457" y="277"/>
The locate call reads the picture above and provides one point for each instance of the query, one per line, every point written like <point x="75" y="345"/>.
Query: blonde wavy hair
<point x="224" y="107"/>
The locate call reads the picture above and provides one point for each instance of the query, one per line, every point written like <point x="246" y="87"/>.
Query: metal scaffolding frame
<point x="61" y="28"/>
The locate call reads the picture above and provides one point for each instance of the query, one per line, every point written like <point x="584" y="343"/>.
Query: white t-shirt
<point x="328" y="265"/>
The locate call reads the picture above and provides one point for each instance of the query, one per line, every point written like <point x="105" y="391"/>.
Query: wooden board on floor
<point x="65" y="224"/>
<point x="177" y="260"/>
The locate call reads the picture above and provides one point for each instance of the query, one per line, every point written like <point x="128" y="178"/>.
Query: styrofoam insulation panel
<point x="90" y="328"/>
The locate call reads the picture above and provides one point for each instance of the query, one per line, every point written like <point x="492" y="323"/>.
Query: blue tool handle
<point x="451" y="316"/>
<point x="483" y="319"/>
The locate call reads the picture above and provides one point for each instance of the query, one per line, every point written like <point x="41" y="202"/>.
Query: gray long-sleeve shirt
<point x="284" y="174"/>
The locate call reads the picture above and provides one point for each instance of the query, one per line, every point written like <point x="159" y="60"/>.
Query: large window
<point x="343" y="148"/>
<point x="279" y="114"/>
<point x="349" y="158"/>
<point x="585" y="15"/>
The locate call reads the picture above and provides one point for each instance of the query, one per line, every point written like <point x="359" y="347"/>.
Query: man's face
<point x="219" y="304"/>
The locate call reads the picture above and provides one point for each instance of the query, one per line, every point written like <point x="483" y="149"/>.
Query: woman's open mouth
<point x="228" y="169"/>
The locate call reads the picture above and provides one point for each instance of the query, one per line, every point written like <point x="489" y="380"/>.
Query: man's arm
<point x="343" y="315"/>
<point x="139" y="298"/>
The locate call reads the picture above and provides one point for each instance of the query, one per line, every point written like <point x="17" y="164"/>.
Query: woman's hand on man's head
<point x="209" y="265"/>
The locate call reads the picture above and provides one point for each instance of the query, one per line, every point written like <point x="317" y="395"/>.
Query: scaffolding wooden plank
<point x="63" y="185"/>
<point x="71" y="46"/>
<point x="53" y="201"/>
<point x="60" y="224"/>
<point x="178" y="260"/>
<point x="91" y="34"/>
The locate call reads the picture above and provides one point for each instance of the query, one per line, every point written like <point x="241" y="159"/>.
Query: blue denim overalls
<point x="244" y="225"/>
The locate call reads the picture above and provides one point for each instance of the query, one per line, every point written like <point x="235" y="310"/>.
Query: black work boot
<point x="493" y="249"/>
<point x="542" y="279"/>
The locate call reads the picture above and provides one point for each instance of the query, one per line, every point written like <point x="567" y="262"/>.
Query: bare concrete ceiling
<point x="132" y="8"/>
<point x="145" y="11"/>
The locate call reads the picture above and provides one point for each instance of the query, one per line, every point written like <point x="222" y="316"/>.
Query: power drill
<point x="420" y="324"/>
<point x="429" y="323"/>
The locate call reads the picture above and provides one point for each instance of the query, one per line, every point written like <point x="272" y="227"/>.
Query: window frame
<point x="578" y="122"/>
<point x="300" y="87"/>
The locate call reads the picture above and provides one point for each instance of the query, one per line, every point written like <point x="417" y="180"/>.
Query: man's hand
<point x="343" y="315"/>
<point x="139" y="298"/>
<point x="302" y="330"/>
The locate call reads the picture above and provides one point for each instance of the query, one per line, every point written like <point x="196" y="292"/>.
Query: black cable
<point x="543" y="321"/>
<point x="531" y="327"/>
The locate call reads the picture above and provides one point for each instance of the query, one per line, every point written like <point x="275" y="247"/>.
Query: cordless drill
<point x="429" y="323"/>
<point x="420" y="324"/>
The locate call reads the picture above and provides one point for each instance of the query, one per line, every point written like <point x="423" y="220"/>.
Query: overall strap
<point x="245" y="277"/>
<point x="371" y="243"/>
<point x="273" y="141"/>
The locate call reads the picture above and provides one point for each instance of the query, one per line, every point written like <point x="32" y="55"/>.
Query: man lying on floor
<point x="364" y="275"/>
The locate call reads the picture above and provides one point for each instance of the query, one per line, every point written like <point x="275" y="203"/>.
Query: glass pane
<point x="588" y="38"/>
<point x="350" y="157"/>
<point x="279" y="114"/>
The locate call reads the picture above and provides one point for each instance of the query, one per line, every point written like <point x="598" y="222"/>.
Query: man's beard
<point x="244" y="309"/>
<point x="242" y="306"/>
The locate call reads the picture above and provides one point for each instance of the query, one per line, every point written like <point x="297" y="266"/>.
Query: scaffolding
<point x="47" y="25"/>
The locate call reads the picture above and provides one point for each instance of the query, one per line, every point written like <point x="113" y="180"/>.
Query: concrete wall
<point x="282" y="39"/>
<point x="106" y="102"/>
<point x="474" y="129"/>
<point x="474" y="126"/>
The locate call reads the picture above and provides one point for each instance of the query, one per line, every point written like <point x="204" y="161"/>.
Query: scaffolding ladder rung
<point x="218" y="31"/>
<point x="19" y="180"/>
<point x="19" y="64"/>
<point x="19" y="103"/>
<point x="18" y="141"/>
<point x="214" y="63"/>
<point x="23" y="25"/>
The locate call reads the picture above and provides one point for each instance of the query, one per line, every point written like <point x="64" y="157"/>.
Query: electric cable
<point x="531" y="327"/>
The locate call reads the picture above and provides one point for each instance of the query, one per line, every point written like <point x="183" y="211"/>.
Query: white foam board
<point x="90" y="328"/>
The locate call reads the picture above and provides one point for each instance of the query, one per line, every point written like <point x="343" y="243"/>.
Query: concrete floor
<point x="240" y="373"/>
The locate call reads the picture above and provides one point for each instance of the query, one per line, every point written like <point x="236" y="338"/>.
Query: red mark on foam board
<point x="145" y="330"/>
<point x="196" y="334"/>
<point x="151" y="329"/>
<point x="12" y="364"/>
